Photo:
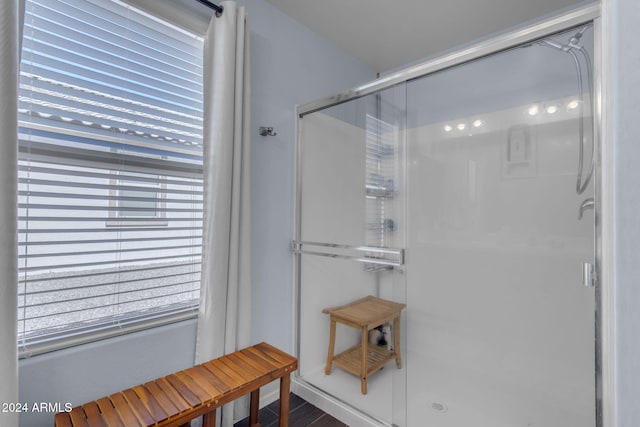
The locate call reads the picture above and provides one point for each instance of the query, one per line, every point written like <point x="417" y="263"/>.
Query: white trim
<point x="606" y="181"/>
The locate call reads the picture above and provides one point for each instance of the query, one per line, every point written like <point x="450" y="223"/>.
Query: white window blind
<point x="110" y="172"/>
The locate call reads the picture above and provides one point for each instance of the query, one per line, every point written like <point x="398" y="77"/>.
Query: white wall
<point x="80" y="374"/>
<point x="289" y="65"/>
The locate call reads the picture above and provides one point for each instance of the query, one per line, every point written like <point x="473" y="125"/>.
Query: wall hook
<point x="265" y="131"/>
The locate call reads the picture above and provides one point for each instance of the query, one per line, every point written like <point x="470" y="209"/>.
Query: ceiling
<point x="389" y="34"/>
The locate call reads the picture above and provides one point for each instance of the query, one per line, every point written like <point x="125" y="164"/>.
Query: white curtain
<point x="224" y="316"/>
<point x="8" y="186"/>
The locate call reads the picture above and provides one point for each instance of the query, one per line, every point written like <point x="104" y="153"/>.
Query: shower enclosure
<point x="466" y="192"/>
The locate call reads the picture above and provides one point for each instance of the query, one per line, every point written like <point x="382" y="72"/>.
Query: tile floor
<point x="301" y="414"/>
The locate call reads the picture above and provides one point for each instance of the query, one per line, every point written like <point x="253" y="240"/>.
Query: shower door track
<point x="604" y="379"/>
<point x="494" y="45"/>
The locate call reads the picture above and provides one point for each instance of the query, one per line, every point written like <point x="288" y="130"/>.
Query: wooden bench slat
<point x="223" y="368"/>
<point x="167" y="405"/>
<point x="258" y="362"/>
<point x="139" y="408"/>
<point x="212" y="379"/>
<point x="153" y="406"/>
<point x="198" y="391"/>
<point x="261" y="354"/>
<point x="172" y="394"/>
<point x="78" y="417"/>
<point x="213" y="393"/>
<point x="63" y="419"/>
<point x="275" y="353"/>
<point x="240" y="361"/>
<point x="231" y="383"/>
<point x="237" y="370"/>
<point x="94" y="416"/>
<point x="184" y="390"/>
<point x="109" y="413"/>
<point x="125" y="412"/>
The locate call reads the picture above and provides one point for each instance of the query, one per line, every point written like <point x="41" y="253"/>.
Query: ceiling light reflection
<point x="551" y="109"/>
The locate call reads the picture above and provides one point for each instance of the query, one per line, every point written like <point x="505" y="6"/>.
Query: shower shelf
<point x="380" y="194"/>
<point x="350" y="360"/>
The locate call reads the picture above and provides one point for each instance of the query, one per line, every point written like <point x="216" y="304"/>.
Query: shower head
<point x="573" y="41"/>
<point x="572" y="44"/>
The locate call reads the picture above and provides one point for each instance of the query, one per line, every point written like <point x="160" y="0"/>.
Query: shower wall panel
<point x="500" y="327"/>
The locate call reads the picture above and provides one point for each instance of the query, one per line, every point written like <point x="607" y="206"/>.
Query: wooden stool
<point x="364" y="314"/>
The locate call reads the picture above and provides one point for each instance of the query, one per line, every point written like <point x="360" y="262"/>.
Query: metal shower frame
<point x="603" y="293"/>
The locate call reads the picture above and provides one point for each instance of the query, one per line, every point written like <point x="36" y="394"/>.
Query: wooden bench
<point x="174" y="400"/>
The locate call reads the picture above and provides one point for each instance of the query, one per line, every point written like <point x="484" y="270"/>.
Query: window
<point x="138" y="196"/>
<point x="142" y="201"/>
<point x="110" y="172"/>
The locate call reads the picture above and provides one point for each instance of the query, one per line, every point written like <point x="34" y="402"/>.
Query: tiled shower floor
<point x="301" y="414"/>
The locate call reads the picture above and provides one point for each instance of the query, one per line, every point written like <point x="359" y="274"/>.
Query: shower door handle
<point x="589" y="275"/>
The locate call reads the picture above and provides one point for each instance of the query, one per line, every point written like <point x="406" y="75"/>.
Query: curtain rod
<point x="215" y="7"/>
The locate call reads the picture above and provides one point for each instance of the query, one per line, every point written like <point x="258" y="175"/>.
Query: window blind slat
<point x="91" y="186"/>
<point x="48" y="281"/>
<point x="91" y="174"/>
<point x="111" y="230"/>
<point x="49" y="195"/>
<point x="79" y="242"/>
<point x="53" y="267"/>
<point x="71" y="218"/>
<point x="70" y="295"/>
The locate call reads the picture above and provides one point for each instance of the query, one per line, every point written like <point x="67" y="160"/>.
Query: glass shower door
<point x="350" y="244"/>
<point x="500" y="326"/>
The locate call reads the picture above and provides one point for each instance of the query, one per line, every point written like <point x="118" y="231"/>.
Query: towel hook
<point x="266" y="131"/>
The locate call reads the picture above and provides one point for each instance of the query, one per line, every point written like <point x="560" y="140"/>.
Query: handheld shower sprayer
<point x="571" y="47"/>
